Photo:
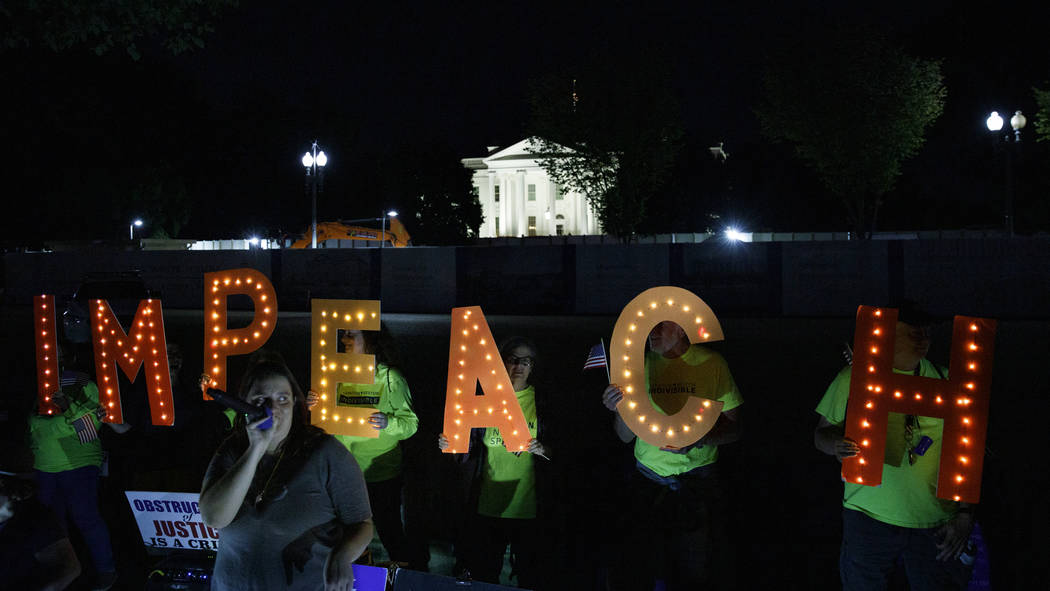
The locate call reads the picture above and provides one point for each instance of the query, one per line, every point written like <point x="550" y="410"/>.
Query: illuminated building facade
<point x="518" y="197"/>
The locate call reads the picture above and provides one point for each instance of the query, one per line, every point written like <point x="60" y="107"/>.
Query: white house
<point x="518" y="198"/>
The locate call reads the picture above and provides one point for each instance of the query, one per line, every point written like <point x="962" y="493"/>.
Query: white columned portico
<point x="589" y="214"/>
<point x="512" y="170"/>
<point x="522" y="219"/>
<point x="579" y="218"/>
<point x="504" y="209"/>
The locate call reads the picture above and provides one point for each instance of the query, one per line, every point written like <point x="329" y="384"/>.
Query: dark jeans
<point x="871" y="550"/>
<point x="385" y="498"/>
<point x="487" y="539"/>
<point x="675" y="535"/>
<point x="73" y="494"/>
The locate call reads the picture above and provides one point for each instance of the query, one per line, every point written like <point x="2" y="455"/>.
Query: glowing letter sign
<point x="221" y="341"/>
<point x="962" y="401"/>
<point x="474" y="359"/>
<point x="329" y="367"/>
<point x="627" y="365"/>
<point x="143" y="346"/>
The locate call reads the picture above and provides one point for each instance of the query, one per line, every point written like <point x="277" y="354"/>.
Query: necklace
<point x="262" y="493"/>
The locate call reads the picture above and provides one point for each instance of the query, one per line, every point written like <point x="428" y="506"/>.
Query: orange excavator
<point x="395" y="234"/>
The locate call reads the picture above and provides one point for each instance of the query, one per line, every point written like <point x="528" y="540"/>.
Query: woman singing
<point x="289" y="500"/>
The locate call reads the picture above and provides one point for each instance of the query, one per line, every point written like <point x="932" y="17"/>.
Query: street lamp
<point x="1012" y="142"/>
<point x="382" y="235"/>
<point x="314" y="161"/>
<point x="131" y="229"/>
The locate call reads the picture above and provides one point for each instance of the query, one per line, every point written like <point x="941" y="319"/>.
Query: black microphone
<point x="251" y="412"/>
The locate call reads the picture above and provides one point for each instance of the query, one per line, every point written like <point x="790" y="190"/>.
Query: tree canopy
<point x="610" y="133"/>
<point x="1042" y="114"/>
<point x="103" y="25"/>
<point x="854" y="106"/>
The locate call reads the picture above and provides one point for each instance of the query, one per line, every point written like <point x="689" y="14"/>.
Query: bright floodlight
<point x="254" y="240"/>
<point x="138" y="223"/>
<point x="308" y="160"/>
<point x="734" y="234"/>
<point x="994" y="122"/>
<point x="1017" y="121"/>
<point x="392" y="213"/>
<point x="321" y="158"/>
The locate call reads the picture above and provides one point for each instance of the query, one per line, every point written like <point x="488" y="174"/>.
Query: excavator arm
<point x="396" y="234"/>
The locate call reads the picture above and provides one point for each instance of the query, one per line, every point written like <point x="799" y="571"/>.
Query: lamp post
<point x="314" y="161"/>
<point x="1013" y="142"/>
<point x="382" y="235"/>
<point x="131" y="229"/>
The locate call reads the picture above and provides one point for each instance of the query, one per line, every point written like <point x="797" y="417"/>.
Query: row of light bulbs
<point x="474" y="359"/>
<point x="225" y="341"/>
<point x="627" y="364"/>
<point x="964" y="421"/>
<point x="330" y="368"/>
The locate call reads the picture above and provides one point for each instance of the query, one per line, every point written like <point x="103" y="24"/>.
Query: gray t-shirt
<point x="292" y="536"/>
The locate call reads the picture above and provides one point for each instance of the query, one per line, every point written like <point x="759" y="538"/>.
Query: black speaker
<point x="410" y="580"/>
<point x="182" y="572"/>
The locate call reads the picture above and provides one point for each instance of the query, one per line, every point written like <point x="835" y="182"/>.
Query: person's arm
<point x="460" y="458"/>
<point x="398" y="420"/>
<point x="349" y="495"/>
<point x="221" y="497"/>
<point x="59" y="564"/>
<point x="91" y="404"/>
<point x="443" y="444"/>
<point x="728" y="428"/>
<point x="52" y="426"/>
<point x="610" y="398"/>
<point x="338" y="567"/>
<point x="831" y="439"/>
<point x="956" y="533"/>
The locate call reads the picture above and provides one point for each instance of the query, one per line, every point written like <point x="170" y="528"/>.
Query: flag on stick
<point x="85" y="427"/>
<point x="597" y="358"/>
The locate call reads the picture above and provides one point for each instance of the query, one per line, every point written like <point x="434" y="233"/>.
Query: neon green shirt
<point x="508" y="482"/>
<point x="669" y="382"/>
<point x="380" y="457"/>
<point x="54" y="441"/>
<point x="907" y="496"/>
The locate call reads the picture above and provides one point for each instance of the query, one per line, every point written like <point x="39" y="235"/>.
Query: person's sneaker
<point x="104" y="581"/>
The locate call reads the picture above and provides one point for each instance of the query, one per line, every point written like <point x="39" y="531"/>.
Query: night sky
<point x="397" y="93"/>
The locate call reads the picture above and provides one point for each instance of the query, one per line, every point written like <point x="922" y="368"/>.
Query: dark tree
<point x="854" y="107"/>
<point x="1042" y="114"/>
<point x="609" y="128"/>
<point x="428" y="186"/>
<point x="160" y="197"/>
<point x="100" y="26"/>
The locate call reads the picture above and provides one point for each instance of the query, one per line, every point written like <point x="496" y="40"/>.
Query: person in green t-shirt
<point x="67" y="457"/>
<point x="902" y="519"/>
<point x="380" y="458"/>
<point x="678" y="500"/>
<point x="504" y="486"/>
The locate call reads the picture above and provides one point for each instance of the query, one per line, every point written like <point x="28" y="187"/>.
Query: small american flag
<point x="73" y="378"/>
<point x="85" y="427"/>
<point x="596" y="358"/>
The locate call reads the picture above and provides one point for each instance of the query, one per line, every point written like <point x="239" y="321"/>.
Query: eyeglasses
<point x="522" y="361"/>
